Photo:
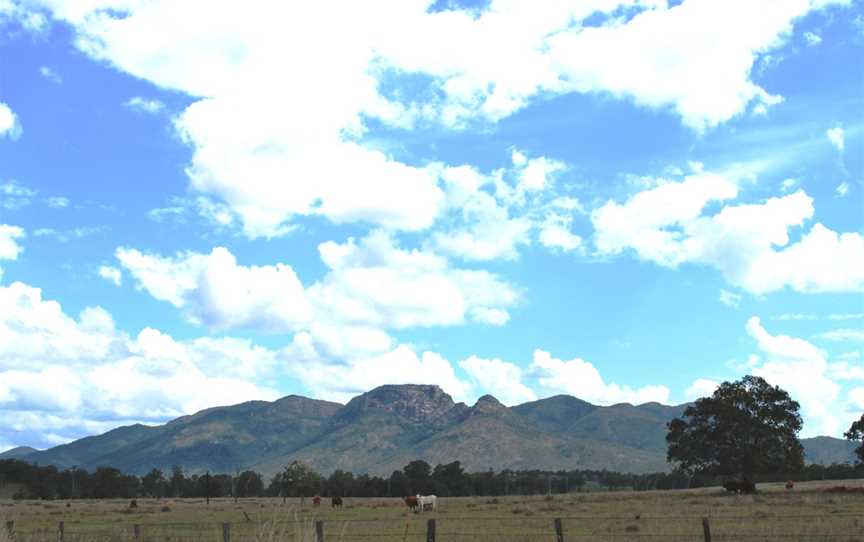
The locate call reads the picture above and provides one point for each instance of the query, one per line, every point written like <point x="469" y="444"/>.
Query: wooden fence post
<point x="226" y="532"/>
<point x="61" y="531"/>
<point x="10" y="529"/>
<point x="559" y="530"/>
<point x="706" y="529"/>
<point x="136" y="532"/>
<point x="430" y="530"/>
<point x="319" y="530"/>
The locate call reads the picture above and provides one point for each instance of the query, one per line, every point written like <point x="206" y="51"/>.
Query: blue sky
<point x="626" y="201"/>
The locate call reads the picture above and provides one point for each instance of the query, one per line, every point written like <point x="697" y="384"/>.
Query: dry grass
<point x="808" y="512"/>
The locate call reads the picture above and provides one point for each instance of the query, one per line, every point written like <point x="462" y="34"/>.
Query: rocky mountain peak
<point x="488" y="405"/>
<point x="420" y="404"/>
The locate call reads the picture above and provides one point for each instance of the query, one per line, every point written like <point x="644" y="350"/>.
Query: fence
<point x="699" y="530"/>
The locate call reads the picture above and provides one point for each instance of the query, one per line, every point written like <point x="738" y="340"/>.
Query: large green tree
<point x="744" y="428"/>
<point x="856" y="433"/>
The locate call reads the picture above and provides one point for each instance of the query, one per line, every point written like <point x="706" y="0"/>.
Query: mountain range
<point x="386" y="428"/>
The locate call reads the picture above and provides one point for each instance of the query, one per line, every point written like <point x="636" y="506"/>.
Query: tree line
<point x="27" y="481"/>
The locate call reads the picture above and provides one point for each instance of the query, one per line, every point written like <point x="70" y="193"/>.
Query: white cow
<point x="427" y="500"/>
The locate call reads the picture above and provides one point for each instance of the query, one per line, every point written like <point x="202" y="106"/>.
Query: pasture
<point x="809" y="512"/>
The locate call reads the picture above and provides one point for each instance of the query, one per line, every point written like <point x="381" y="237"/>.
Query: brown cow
<point x="316" y="501"/>
<point x="336" y="502"/>
<point x="411" y="502"/>
<point x="790" y="485"/>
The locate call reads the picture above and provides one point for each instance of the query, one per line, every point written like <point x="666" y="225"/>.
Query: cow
<point x="336" y="502"/>
<point x="411" y="502"/>
<point x="316" y="501"/>
<point x="790" y="484"/>
<point x="739" y="486"/>
<point x="426" y="502"/>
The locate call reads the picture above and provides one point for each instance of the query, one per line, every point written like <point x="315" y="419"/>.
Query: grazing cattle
<point x="790" y="485"/>
<point x="427" y="502"/>
<point x="739" y="486"/>
<point x="411" y="502"/>
<point x="336" y="502"/>
<point x="316" y="501"/>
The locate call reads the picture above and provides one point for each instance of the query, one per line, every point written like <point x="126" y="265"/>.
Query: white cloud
<point x="214" y="290"/>
<point x="111" y="274"/>
<point x="842" y="190"/>
<point x="789" y="184"/>
<point x="145" y="105"/>
<point x="801" y="369"/>
<point x="748" y="243"/>
<point x="9" y="124"/>
<point x="275" y="144"/>
<point x="555" y="233"/>
<point x="701" y="387"/>
<point x="14" y="196"/>
<point x="812" y="39"/>
<point x="837" y="137"/>
<point x="855" y="335"/>
<point x="499" y="378"/>
<point x="9" y="245"/>
<point x="49" y="73"/>
<point x="730" y="299"/>
<point x="62" y="374"/>
<point x="340" y="380"/>
<point x="374" y="282"/>
<point x="370" y="283"/>
<point x="57" y="202"/>
<point x="581" y="379"/>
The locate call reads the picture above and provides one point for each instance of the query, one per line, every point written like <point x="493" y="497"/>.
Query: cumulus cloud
<point x="371" y="282"/>
<point x="342" y="379"/>
<point x="801" y="369"/>
<point x="748" y="243"/>
<point x="63" y="374"/>
<point x="111" y="274"/>
<point x="9" y="125"/>
<point x="701" y="387"/>
<point x="580" y="378"/>
<point x="214" y="290"/>
<point x="837" y="137"/>
<point x="275" y="144"/>
<point x="500" y="378"/>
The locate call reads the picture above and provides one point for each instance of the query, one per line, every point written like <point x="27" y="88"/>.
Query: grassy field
<point x="809" y="512"/>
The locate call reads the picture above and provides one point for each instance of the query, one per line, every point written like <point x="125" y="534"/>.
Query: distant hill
<point x="382" y="430"/>
<point x="17" y="453"/>
<point x="828" y="450"/>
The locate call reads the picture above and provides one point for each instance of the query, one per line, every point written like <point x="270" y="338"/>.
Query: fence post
<point x="136" y="532"/>
<point x="61" y="531"/>
<point x="319" y="530"/>
<point x="10" y="529"/>
<point x="559" y="530"/>
<point x="706" y="529"/>
<point x="430" y="530"/>
<point x="226" y="532"/>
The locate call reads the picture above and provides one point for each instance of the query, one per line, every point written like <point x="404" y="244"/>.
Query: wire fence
<point x="803" y="527"/>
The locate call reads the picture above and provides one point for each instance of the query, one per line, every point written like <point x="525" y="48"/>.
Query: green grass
<point x="807" y="513"/>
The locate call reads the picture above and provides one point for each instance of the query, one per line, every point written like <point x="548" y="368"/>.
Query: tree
<point x="856" y="433"/>
<point x="746" y="427"/>
<point x="418" y="472"/>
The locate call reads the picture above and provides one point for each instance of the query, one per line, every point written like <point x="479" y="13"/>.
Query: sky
<point x="204" y="203"/>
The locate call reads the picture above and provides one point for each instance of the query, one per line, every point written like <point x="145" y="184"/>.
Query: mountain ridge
<point x="385" y="428"/>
